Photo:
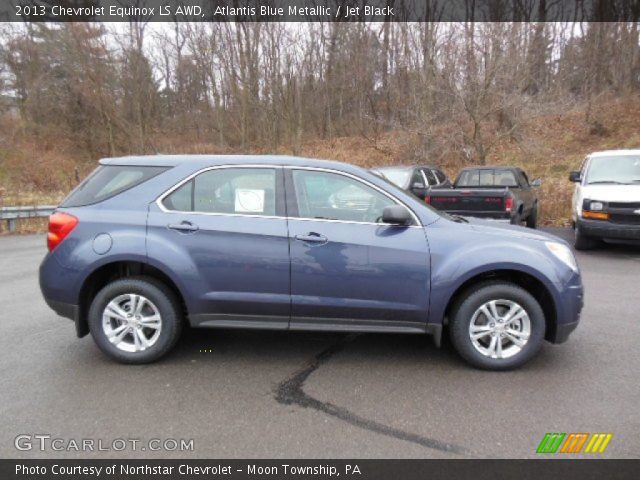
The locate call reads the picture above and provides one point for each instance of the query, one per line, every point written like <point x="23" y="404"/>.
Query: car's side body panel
<point x="106" y="233"/>
<point x="231" y="268"/>
<point x="455" y="259"/>
<point x="365" y="275"/>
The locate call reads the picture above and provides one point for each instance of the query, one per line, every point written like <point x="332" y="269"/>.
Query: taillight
<point x="427" y="199"/>
<point x="508" y="204"/>
<point x="60" y="225"/>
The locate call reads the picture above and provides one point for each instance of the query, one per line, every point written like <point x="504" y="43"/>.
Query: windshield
<point x="487" y="178"/>
<point x="622" y="169"/>
<point x="399" y="176"/>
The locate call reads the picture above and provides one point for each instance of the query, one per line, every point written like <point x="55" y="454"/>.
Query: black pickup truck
<point x="499" y="193"/>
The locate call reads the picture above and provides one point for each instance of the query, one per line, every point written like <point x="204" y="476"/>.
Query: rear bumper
<point x="65" y="310"/>
<point x="56" y="285"/>
<point x="70" y="311"/>
<point x="609" y="230"/>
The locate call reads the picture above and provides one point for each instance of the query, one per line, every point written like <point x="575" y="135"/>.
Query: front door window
<point x="330" y="196"/>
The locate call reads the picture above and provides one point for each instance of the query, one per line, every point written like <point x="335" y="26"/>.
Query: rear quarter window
<point x="108" y="181"/>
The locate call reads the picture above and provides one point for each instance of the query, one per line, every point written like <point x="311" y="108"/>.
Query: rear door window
<point x="244" y="191"/>
<point x="108" y="181"/>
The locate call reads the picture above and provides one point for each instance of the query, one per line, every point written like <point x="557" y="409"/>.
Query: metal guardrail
<point x="12" y="214"/>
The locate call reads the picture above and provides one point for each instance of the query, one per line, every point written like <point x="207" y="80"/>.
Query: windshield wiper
<point x="456" y="218"/>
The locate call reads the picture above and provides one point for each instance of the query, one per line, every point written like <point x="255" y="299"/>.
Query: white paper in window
<point x="249" y="200"/>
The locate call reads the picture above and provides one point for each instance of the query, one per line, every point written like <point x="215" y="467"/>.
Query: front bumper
<point x="563" y="330"/>
<point x="569" y="308"/>
<point x="609" y="230"/>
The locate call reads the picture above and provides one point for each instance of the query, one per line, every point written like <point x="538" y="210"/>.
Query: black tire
<point x="532" y="219"/>
<point x="162" y="298"/>
<point x="582" y="241"/>
<point x="516" y="219"/>
<point x="463" y="312"/>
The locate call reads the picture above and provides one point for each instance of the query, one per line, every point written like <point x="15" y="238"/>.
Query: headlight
<point x="594" y="210"/>
<point x="593" y="205"/>
<point x="564" y="254"/>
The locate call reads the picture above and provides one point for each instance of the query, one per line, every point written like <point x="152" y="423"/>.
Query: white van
<point x="606" y="200"/>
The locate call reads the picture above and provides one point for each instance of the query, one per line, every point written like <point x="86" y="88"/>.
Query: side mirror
<point x="536" y="183"/>
<point x="575" y="177"/>
<point x="396" y="215"/>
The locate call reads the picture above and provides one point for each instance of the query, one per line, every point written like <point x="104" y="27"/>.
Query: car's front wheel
<point x="497" y="326"/>
<point x="135" y="320"/>
<point x="583" y="242"/>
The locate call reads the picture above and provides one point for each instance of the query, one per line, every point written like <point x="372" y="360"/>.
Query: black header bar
<point x="320" y="10"/>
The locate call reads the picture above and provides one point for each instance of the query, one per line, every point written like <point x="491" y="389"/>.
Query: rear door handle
<point x="185" y="227"/>
<point x="312" y="237"/>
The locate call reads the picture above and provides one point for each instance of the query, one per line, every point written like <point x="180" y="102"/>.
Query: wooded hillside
<point x="540" y="95"/>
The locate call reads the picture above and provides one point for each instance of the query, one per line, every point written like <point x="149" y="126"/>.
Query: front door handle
<point x="312" y="237"/>
<point x="184" y="227"/>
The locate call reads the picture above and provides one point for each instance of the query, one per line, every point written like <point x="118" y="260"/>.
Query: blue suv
<point x="146" y="245"/>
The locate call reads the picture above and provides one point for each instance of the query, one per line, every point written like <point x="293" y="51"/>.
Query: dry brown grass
<point x="25" y="226"/>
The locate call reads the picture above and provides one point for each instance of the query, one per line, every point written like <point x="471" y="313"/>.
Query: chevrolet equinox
<point x="146" y="245"/>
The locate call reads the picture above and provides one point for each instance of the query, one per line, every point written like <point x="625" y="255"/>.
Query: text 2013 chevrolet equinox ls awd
<point x="146" y="244"/>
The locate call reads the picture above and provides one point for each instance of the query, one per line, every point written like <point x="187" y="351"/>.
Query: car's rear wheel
<point x="135" y="320"/>
<point x="497" y="326"/>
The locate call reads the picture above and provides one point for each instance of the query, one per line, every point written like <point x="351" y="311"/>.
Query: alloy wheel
<point x="131" y="322"/>
<point x="500" y="328"/>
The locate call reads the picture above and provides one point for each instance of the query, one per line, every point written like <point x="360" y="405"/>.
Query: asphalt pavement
<point x="251" y="394"/>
